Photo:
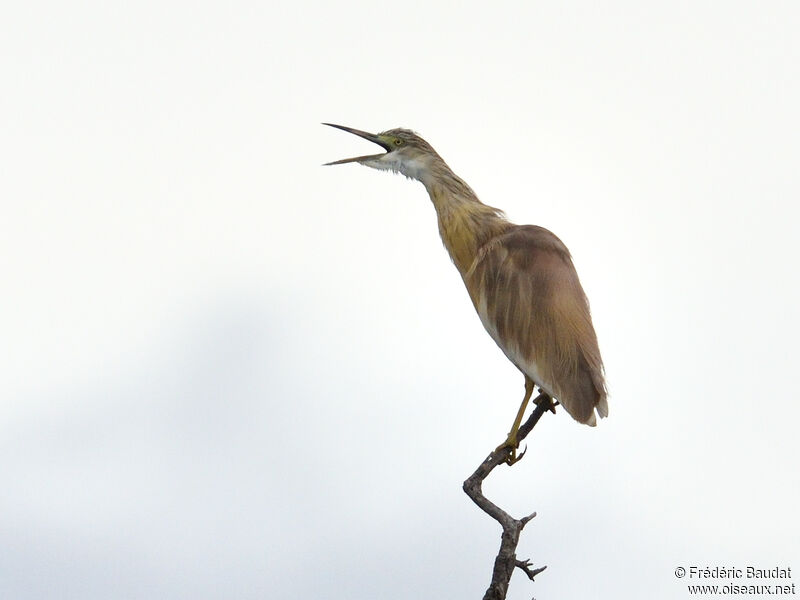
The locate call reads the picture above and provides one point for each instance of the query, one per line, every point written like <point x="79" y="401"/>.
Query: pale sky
<point x="229" y="372"/>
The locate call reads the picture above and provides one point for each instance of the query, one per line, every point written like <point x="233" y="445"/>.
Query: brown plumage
<point x="526" y="291"/>
<point x="520" y="278"/>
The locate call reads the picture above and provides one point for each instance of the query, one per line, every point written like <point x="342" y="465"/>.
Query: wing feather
<point x="528" y="295"/>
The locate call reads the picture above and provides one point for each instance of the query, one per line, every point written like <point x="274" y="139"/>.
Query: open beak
<point x="367" y="136"/>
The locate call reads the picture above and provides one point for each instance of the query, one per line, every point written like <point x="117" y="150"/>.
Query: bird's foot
<point x="551" y="404"/>
<point x="511" y="444"/>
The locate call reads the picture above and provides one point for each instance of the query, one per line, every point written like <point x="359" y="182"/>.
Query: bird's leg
<point x="511" y="441"/>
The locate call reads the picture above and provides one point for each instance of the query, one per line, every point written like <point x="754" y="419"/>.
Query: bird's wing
<point x="527" y="293"/>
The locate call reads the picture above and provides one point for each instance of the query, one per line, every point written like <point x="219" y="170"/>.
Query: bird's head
<point x="406" y="152"/>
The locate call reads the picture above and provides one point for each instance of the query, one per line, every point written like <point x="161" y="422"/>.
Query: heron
<point x="520" y="278"/>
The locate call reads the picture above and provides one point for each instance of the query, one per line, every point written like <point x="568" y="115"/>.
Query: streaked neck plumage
<point x="465" y="223"/>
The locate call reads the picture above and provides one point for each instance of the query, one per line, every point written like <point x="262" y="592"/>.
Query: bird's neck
<point x="465" y="223"/>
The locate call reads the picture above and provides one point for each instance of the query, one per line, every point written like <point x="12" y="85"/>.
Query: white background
<point x="228" y="372"/>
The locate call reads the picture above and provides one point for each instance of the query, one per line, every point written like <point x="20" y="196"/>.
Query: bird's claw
<point x="551" y="403"/>
<point x="513" y="458"/>
<point x="511" y="444"/>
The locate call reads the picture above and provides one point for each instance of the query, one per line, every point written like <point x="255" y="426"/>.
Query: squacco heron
<point x="520" y="279"/>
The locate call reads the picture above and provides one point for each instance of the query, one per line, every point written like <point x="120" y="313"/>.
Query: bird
<point x="520" y="278"/>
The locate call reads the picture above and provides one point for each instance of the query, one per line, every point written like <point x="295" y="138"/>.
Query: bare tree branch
<point x="506" y="560"/>
<point x="526" y="565"/>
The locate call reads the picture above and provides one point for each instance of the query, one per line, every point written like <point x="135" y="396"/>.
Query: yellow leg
<point x="511" y="440"/>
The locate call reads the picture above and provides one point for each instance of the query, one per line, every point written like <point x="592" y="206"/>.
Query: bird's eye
<point x="398" y="142"/>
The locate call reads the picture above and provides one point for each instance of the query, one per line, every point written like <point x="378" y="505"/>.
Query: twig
<point x="506" y="561"/>
<point x="526" y="567"/>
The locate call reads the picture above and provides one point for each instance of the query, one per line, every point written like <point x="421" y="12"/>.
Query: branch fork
<point x="506" y="560"/>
